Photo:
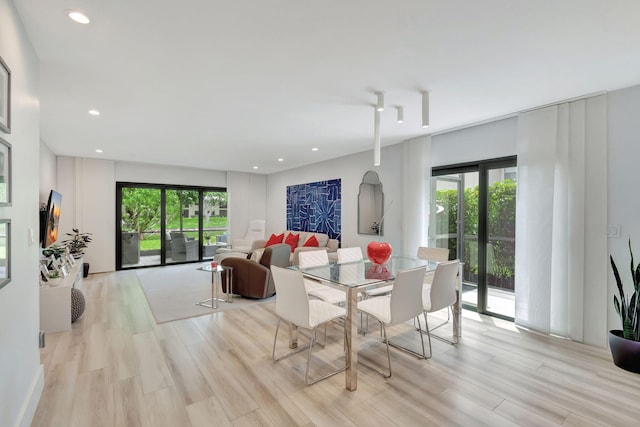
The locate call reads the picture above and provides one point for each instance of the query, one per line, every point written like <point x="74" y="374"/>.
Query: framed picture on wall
<point x="5" y="173"/>
<point x="5" y="97"/>
<point x="5" y="252"/>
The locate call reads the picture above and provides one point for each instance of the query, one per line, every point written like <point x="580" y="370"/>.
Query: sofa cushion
<point x="311" y="242"/>
<point x="274" y="240"/>
<point x="292" y="240"/>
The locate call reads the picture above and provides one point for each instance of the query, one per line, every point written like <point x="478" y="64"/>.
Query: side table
<point x="216" y="281"/>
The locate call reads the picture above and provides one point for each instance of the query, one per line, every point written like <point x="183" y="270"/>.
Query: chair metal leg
<point x="273" y="352"/>
<point x="455" y="326"/>
<point x="384" y="374"/>
<point x="426" y="325"/>
<point x="330" y="374"/>
<point x="410" y="351"/>
<point x="309" y="349"/>
<point x="384" y="328"/>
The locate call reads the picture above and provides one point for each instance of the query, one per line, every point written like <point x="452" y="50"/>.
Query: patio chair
<point x="183" y="248"/>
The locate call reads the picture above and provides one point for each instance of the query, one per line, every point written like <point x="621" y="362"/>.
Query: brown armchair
<point x="252" y="279"/>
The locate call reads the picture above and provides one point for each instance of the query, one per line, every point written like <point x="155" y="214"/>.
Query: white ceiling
<point x="231" y="84"/>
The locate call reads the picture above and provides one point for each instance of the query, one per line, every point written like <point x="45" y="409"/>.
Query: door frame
<point x="482" y="167"/>
<point x="163" y="189"/>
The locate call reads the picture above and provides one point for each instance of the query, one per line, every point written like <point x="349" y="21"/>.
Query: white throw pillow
<point x="256" y="255"/>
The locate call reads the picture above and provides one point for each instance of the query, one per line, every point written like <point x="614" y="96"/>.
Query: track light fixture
<point x="376" y="138"/>
<point x="425" y="109"/>
<point x="400" y="111"/>
<point x="380" y="104"/>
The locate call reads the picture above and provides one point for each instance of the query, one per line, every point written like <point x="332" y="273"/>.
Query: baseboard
<point x="28" y="410"/>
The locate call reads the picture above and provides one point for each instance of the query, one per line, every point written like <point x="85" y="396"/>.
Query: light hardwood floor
<point x="117" y="367"/>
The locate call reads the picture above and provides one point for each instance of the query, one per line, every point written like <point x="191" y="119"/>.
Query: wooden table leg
<point x="351" y="335"/>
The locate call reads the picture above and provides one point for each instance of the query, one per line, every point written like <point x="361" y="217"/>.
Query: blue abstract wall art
<point x="316" y="206"/>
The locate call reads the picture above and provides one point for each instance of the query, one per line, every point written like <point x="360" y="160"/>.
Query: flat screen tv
<point x="50" y="219"/>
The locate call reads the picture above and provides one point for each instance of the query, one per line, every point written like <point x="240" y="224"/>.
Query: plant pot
<point x="85" y="269"/>
<point x="626" y="353"/>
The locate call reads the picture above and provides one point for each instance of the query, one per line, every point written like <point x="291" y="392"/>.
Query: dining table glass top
<point x="364" y="272"/>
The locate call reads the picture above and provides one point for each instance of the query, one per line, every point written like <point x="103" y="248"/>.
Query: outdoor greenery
<point x="141" y="213"/>
<point x="501" y="227"/>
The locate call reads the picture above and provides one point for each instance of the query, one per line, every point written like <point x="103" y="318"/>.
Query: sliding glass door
<point x="474" y="206"/>
<point x="164" y="224"/>
<point x="140" y="234"/>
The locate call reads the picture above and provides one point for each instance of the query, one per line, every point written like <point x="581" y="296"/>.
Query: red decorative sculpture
<point x="379" y="252"/>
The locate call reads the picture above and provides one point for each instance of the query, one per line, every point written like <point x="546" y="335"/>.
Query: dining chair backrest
<point x="443" y="287"/>
<point x="406" y="297"/>
<point x="351" y="273"/>
<point x="312" y="258"/>
<point x="292" y="302"/>
<point x="433" y="254"/>
<point x="349" y="254"/>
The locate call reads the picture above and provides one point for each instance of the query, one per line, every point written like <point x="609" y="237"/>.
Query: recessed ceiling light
<point x="94" y="112"/>
<point x="314" y="149"/>
<point x="98" y="150"/>
<point x="255" y="167"/>
<point x="78" y="16"/>
<point x="281" y="159"/>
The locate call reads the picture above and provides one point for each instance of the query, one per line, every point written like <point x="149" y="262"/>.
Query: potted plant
<point x="625" y="343"/>
<point x="77" y="244"/>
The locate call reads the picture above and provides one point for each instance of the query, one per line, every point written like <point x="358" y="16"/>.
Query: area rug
<point x="173" y="291"/>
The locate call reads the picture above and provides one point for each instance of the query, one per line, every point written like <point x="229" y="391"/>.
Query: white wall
<point x="482" y="142"/>
<point x="624" y="203"/>
<point x="88" y="193"/>
<point x="160" y="174"/>
<point x="21" y="375"/>
<point x="350" y="170"/>
<point x="247" y="198"/>
<point x="48" y="177"/>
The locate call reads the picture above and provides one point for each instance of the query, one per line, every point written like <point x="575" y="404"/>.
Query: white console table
<point x="55" y="300"/>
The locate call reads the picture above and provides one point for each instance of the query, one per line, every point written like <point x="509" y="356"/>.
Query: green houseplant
<point x="77" y="244"/>
<point x="625" y="343"/>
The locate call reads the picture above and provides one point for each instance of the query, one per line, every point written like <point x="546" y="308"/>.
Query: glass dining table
<point x="354" y="278"/>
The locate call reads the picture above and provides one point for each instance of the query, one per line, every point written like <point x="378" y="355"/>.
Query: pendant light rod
<point x="400" y="110"/>
<point x="380" y="104"/>
<point x="376" y="138"/>
<point x="425" y="109"/>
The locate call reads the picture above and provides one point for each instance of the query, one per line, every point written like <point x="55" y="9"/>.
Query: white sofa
<point x="324" y="242"/>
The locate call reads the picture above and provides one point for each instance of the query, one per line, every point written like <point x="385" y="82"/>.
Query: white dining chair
<point x="432" y="254"/>
<point x="349" y="254"/>
<point x="441" y="294"/>
<point x="315" y="289"/>
<point x="404" y="303"/>
<point x="293" y="306"/>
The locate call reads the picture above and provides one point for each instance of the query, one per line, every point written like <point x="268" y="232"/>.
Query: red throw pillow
<point x="292" y="240"/>
<point x="311" y="242"/>
<point x="274" y="240"/>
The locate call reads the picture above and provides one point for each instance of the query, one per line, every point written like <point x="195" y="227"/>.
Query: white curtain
<point x="561" y="220"/>
<point x="415" y="193"/>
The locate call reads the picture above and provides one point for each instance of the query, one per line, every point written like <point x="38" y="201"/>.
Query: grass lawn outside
<point x="215" y="226"/>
